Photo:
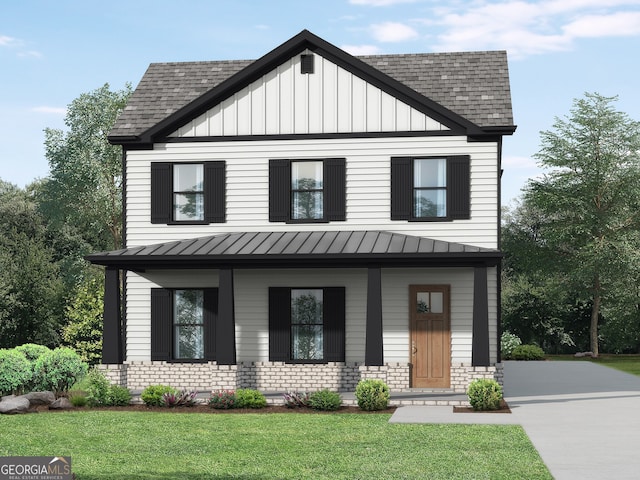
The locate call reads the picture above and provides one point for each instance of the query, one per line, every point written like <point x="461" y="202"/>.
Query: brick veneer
<point x="280" y="376"/>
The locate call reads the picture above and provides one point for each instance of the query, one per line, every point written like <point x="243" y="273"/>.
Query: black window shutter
<point x="279" y="324"/>
<point x="215" y="192"/>
<point x="279" y="190"/>
<point x="161" y="192"/>
<point x="334" y="324"/>
<point x="401" y="188"/>
<point x="210" y="319"/>
<point x="459" y="187"/>
<point x="335" y="176"/>
<point x="161" y="323"/>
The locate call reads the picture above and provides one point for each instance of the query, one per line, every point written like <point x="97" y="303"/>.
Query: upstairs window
<point x="430" y="188"/>
<point x="306" y="191"/>
<point x="188" y="193"/>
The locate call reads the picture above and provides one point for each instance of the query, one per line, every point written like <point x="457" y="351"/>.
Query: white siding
<point x="330" y="100"/>
<point x="251" y="307"/>
<point x="368" y="201"/>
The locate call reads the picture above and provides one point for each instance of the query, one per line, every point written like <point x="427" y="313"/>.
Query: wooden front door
<point x="430" y="349"/>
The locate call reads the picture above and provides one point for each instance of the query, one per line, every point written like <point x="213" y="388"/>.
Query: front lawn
<point x="625" y="363"/>
<point x="150" y="445"/>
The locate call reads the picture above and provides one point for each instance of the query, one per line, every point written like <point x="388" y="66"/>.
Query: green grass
<point x="625" y="363"/>
<point x="151" y="445"/>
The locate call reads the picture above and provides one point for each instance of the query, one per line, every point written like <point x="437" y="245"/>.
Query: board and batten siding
<point x="251" y="307"/>
<point x="329" y="100"/>
<point x="368" y="186"/>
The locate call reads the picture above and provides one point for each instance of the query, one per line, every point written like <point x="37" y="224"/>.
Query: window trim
<point x="292" y="325"/>
<point x="412" y="216"/>
<point x="175" y="192"/>
<point x="293" y="191"/>
<point x="175" y="325"/>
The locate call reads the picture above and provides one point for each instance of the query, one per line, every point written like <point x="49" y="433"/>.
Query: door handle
<point x="414" y="349"/>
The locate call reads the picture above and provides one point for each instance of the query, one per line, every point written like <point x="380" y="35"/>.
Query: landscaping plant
<point x="152" y="395"/>
<point x="32" y="352"/>
<point x="372" y="395"/>
<point x="296" y="399"/>
<point x="185" y="398"/>
<point x="15" y="371"/>
<point x="222" y="399"/>
<point x="325" y="400"/>
<point x="248" y="398"/>
<point x="527" y="352"/>
<point x="484" y="394"/>
<point x="59" y="369"/>
<point x="118" y="396"/>
<point x="97" y="388"/>
<point x="508" y="341"/>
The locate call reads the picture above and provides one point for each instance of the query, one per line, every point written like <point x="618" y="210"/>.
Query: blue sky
<point x="51" y="52"/>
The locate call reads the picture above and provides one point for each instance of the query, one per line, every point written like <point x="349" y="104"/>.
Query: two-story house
<point x="309" y="219"/>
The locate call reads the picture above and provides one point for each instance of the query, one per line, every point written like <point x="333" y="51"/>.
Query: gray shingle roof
<point x="278" y="248"/>
<point x="475" y="85"/>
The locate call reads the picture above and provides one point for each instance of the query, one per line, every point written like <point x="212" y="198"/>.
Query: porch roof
<point x="329" y="249"/>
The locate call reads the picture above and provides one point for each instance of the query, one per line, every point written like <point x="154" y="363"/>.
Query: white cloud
<point x="51" y="110"/>
<point x="615" y="25"/>
<point x="6" y="41"/>
<point x="379" y="3"/>
<point x="393" y="32"/>
<point x="361" y="49"/>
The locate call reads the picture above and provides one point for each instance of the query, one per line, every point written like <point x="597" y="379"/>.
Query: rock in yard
<point x="61" y="404"/>
<point x="14" y="405"/>
<point x="40" y="398"/>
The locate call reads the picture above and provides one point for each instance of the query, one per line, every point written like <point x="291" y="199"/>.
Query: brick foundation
<point x="280" y="376"/>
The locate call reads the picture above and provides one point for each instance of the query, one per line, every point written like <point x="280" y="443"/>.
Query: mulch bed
<point x="207" y="409"/>
<point x="504" y="408"/>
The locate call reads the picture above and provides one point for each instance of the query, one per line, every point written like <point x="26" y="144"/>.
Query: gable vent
<point x="306" y="63"/>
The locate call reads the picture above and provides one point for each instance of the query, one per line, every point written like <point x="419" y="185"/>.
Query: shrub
<point x="508" y="341"/>
<point x="78" y="400"/>
<point x="58" y="369"/>
<point x="97" y="387"/>
<point x="325" y="400"/>
<point x="222" y="399"/>
<point x="372" y="395"/>
<point x="118" y="396"/>
<point x="152" y="395"/>
<point x="183" y="399"/>
<point x="296" y="399"/>
<point x="32" y="352"/>
<point x="247" y="398"/>
<point x="527" y="352"/>
<point x="15" y="371"/>
<point x="484" y="394"/>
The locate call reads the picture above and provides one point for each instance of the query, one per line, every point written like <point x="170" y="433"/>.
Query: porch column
<point x="226" y="325"/>
<point x="480" y="340"/>
<point x="112" y="330"/>
<point x="373" y="341"/>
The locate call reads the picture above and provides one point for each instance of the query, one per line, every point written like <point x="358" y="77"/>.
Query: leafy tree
<point x="84" y="190"/>
<point x="84" y="314"/>
<point x="31" y="293"/>
<point x="590" y="201"/>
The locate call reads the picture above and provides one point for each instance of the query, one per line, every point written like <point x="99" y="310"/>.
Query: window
<point x="188" y="323"/>
<point x="430" y="188"/>
<point x="188" y="192"/>
<point x="192" y="193"/>
<point x="183" y="323"/>
<point x="307" y="325"/>
<point x="303" y="191"/>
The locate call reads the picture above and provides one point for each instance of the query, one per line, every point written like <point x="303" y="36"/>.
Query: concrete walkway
<point x="583" y="418"/>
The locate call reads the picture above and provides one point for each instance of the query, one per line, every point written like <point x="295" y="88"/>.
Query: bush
<point x="372" y="395"/>
<point x="527" y="352"/>
<point x="484" y="394"/>
<point x="15" y="372"/>
<point x="222" y="399"/>
<point x="247" y="398"/>
<point x="183" y="399"/>
<point x="32" y="351"/>
<point x="325" y="400"/>
<point x="152" y="395"/>
<point x="78" y="400"/>
<point x="508" y="341"/>
<point x="118" y="396"/>
<point x="97" y="387"/>
<point x="59" y="369"/>
<point x="296" y="399"/>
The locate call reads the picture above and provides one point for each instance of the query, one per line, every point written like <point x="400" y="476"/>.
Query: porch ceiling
<point x="329" y="249"/>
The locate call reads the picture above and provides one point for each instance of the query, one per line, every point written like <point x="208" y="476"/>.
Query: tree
<point x="590" y="200"/>
<point x="84" y="189"/>
<point x="31" y="293"/>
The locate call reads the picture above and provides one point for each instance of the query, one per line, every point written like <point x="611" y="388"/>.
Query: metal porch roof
<point x="298" y="249"/>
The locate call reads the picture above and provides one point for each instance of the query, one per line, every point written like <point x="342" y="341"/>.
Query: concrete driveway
<point x="583" y="418"/>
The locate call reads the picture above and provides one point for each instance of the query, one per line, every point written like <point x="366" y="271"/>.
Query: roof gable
<point x="171" y="95"/>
